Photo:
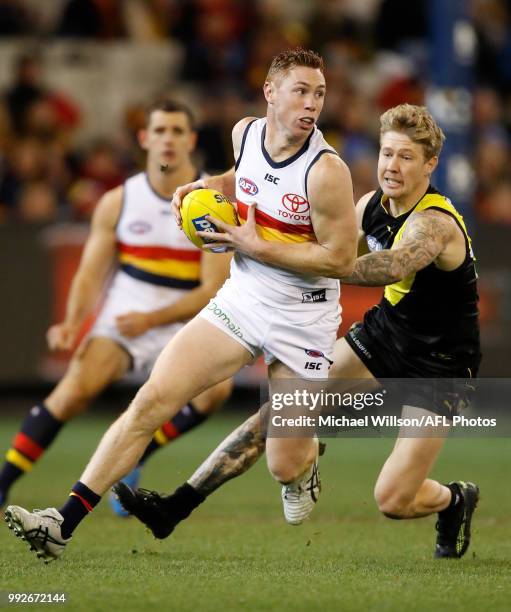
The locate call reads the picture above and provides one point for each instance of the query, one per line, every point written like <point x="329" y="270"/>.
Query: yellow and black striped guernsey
<point x="429" y="318"/>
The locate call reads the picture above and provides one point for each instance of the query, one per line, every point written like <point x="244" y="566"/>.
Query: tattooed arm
<point x="234" y="456"/>
<point x="426" y="236"/>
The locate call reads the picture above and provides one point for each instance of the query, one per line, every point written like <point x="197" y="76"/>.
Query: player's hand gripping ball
<point x="197" y="205"/>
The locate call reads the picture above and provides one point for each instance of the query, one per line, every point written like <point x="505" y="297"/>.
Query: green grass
<point x="236" y="553"/>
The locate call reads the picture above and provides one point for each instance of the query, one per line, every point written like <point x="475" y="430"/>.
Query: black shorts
<point x="447" y="388"/>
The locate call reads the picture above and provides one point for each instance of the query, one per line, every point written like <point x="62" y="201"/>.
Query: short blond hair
<point x="291" y="58"/>
<point x="418" y="124"/>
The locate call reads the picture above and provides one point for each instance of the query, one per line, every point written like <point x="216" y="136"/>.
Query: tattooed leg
<point x="232" y="457"/>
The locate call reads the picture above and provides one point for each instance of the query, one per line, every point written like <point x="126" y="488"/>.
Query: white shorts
<point x="129" y="294"/>
<point x="301" y="337"/>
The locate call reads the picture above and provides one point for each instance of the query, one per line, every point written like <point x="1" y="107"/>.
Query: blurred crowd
<point x="376" y="53"/>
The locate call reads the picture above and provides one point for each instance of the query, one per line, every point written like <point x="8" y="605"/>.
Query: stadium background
<point x="75" y="74"/>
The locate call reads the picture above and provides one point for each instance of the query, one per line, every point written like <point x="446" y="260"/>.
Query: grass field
<point x="236" y="553"/>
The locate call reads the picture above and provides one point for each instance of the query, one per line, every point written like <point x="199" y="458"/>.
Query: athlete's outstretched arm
<point x="232" y="457"/>
<point x="426" y="235"/>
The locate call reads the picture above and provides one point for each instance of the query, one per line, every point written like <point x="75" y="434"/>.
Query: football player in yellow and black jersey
<point x="426" y="326"/>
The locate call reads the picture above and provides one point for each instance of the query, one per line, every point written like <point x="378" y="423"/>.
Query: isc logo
<point x="313" y="365"/>
<point x="201" y="224"/>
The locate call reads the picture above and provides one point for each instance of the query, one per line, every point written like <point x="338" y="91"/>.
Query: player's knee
<point x="70" y="400"/>
<point x="285" y="470"/>
<point x="287" y="460"/>
<point x="149" y="409"/>
<point x="283" y="474"/>
<point x="391" y="502"/>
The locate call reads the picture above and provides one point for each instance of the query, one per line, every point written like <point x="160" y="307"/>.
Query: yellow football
<point x="195" y="207"/>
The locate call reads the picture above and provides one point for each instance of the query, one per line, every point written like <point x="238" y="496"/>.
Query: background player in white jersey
<point x="162" y="280"/>
<point x="266" y="300"/>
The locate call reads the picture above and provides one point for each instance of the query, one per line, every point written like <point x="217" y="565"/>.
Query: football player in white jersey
<point x="266" y="302"/>
<point x="161" y="281"/>
<point x="415" y="243"/>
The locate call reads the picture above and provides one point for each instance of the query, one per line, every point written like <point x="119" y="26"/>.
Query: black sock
<point x="80" y="502"/>
<point x="187" y="418"/>
<point x="184" y="499"/>
<point x="37" y="432"/>
<point x="456" y="497"/>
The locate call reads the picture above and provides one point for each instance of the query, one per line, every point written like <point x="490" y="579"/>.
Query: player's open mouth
<point x="306" y="122"/>
<point x="392" y="182"/>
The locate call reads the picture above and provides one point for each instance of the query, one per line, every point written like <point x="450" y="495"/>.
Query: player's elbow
<point x="344" y="264"/>
<point x="402" y="266"/>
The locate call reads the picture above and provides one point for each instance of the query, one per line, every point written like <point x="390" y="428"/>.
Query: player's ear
<point x="430" y="166"/>
<point x="193" y="141"/>
<point x="269" y="90"/>
<point x="142" y="138"/>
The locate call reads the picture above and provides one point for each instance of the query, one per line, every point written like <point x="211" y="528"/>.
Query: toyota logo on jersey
<point x="295" y="203"/>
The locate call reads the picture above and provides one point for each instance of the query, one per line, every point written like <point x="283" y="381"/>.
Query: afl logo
<point x="374" y="244"/>
<point x="295" y="203"/>
<point x="314" y="353"/>
<point x="248" y="186"/>
<point x="139" y="227"/>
